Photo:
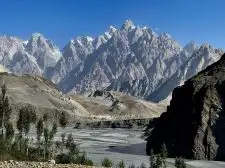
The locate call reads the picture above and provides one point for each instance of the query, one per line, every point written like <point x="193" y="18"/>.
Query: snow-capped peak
<point x="109" y="33"/>
<point x="166" y="35"/>
<point x="25" y="42"/>
<point x="128" y="25"/>
<point x="83" y="40"/>
<point x="112" y="29"/>
<point x="35" y="36"/>
<point x="89" y="39"/>
<point x="145" y="28"/>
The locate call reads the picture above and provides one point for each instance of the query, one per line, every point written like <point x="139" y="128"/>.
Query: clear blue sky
<point x="61" y="20"/>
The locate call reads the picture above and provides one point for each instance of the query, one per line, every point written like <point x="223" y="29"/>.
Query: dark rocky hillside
<point x="194" y="124"/>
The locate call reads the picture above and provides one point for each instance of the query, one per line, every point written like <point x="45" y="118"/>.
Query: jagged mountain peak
<point x="39" y="39"/>
<point x="191" y="46"/>
<point x="132" y="59"/>
<point x="165" y="35"/>
<point x="45" y="51"/>
<point x="128" y="25"/>
<point x="84" y="40"/>
<point x="111" y="29"/>
<point x="5" y="37"/>
<point x="205" y="46"/>
<point x="36" y="35"/>
<point x="109" y="33"/>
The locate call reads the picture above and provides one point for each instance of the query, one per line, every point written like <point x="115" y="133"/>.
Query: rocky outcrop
<point x="193" y="125"/>
<point x="109" y="105"/>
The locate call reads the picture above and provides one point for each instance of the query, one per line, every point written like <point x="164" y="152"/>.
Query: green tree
<point x="158" y="162"/>
<point x="9" y="135"/>
<point x="63" y="120"/>
<point x="155" y="160"/>
<point x="106" y="162"/>
<point x="2" y="107"/>
<point x="5" y="108"/>
<point x="164" y="154"/>
<point x="26" y="117"/>
<point x="63" y="141"/>
<point x="49" y="135"/>
<point x="152" y="159"/>
<point x="46" y="142"/>
<point x="39" y="130"/>
<point x="69" y="141"/>
<point x="51" y="138"/>
<point x="121" y="164"/>
<point x="53" y="131"/>
<point x="179" y="163"/>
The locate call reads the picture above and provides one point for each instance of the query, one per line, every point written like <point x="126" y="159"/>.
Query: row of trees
<point x="20" y="144"/>
<point x="159" y="160"/>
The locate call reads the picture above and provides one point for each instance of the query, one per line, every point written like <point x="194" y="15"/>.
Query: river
<point x="115" y="144"/>
<point x="120" y="144"/>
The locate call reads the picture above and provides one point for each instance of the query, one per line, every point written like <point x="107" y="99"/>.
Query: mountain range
<point x="130" y="59"/>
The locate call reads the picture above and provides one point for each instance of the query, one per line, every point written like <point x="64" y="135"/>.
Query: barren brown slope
<point x="116" y="105"/>
<point x="43" y="95"/>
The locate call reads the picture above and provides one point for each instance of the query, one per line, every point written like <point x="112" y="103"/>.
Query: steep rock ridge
<point x="28" y="57"/>
<point x="8" y="47"/>
<point x="74" y="54"/>
<point x="200" y="58"/>
<point x="45" y="52"/>
<point x="24" y="63"/>
<point x="193" y="125"/>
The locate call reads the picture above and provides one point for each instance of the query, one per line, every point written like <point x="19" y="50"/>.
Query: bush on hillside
<point x="106" y="162"/>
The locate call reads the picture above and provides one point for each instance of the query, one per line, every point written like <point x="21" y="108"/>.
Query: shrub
<point x="69" y="158"/>
<point x="106" y="162"/>
<point x="132" y="166"/>
<point x="143" y="166"/>
<point x="121" y="164"/>
<point x="179" y="163"/>
<point x="88" y="162"/>
<point x="63" y="158"/>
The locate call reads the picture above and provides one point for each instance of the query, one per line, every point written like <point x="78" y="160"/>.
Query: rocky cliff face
<point x="193" y="125"/>
<point x="34" y="56"/>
